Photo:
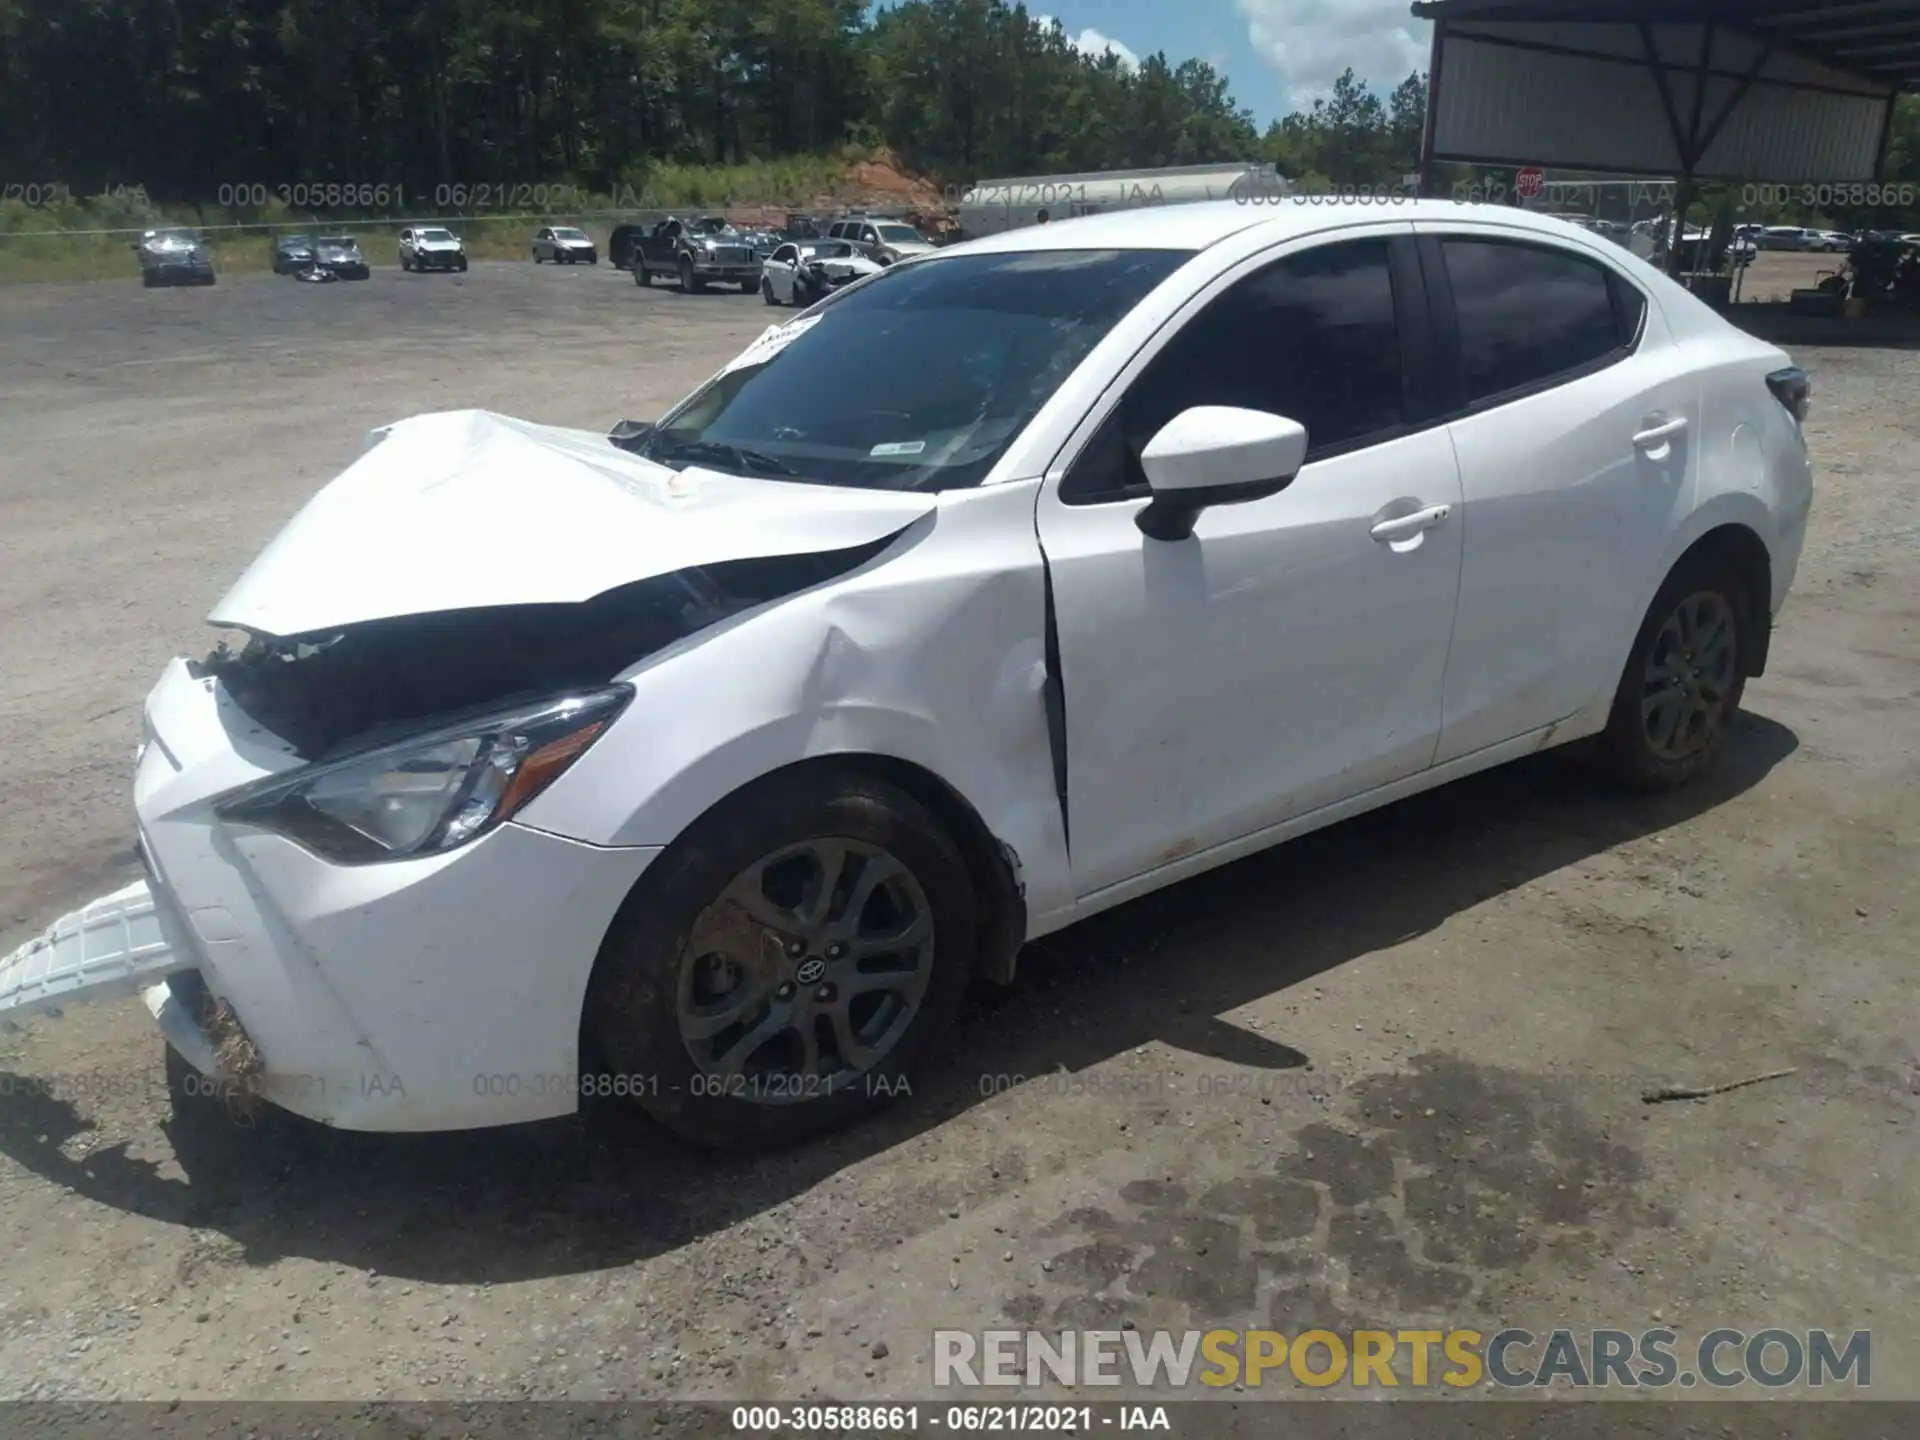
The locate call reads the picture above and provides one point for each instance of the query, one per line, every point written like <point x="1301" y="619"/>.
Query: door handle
<point x="1655" y="436"/>
<point x="1405" y="527"/>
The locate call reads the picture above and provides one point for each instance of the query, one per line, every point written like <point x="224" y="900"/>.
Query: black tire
<point x="640" y="275"/>
<point x="146" y="279"/>
<point x="1627" y="751"/>
<point x="746" y="287"/>
<point x="766" y="291"/>
<point x="462" y="266"/>
<point x="536" y="257"/>
<point x="689" y="283"/>
<point x="633" y="1002"/>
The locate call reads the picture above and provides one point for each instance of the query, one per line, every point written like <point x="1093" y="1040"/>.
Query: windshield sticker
<point x="772" y="341"/>
<point x="899" y="447"/>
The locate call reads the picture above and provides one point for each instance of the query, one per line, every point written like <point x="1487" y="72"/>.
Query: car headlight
<point x="432" y="792"/>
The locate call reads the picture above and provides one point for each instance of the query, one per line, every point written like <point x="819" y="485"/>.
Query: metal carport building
<point x="1792" y="91"/>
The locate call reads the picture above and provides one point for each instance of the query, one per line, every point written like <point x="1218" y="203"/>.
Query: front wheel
<point x="766" y="291"/>
<point x="640" y="276"/>
<point x="461" y="267"/>
<point x="688" y="284"/>
<point x="1683" y="682"/>
<point x="783" y="968"/>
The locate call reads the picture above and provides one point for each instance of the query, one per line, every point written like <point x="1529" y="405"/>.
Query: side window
<point x="784" y="255"/>
<point x="1530" y="316"/>
<point x="1312" y="337"/>
<point x="870" y="235"/>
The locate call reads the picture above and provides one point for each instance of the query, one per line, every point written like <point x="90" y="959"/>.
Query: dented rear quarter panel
<point x="933" y="653"/>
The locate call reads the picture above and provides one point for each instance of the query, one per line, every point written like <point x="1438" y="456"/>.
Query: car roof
<point x="1201" y="224"/>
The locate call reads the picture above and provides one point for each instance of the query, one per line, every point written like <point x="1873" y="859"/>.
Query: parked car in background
<point x="292" y="253"/>
<point x="431" y="247"/>
<point x="564" y="245"/>
<point x="341" y="255"/>
<point x="174" y="256"/>
<point x="695" y="253"/>
<point x="801" y="272"/>
<point x="885" y="240"/>
<point x="764" y="242"/>
<point x="575" y="755"/>
<point x="1794" y="237"/>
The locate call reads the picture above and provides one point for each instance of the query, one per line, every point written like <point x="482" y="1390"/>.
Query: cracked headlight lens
<point x="432" y="792"/>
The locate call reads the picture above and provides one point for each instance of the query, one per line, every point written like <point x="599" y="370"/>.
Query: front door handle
<point x="1405" y="527"/>
<point x="1655" y="436"/>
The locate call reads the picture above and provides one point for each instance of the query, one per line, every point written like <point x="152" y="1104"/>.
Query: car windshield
<point x="902" y="233"/>
<point x="437" y="236"/>
<point x="175" y="237"/>
<point x="916" y="380"/>
<point x="565" y="233"/>
<point x="339" y="242"/>
<point x="296" y="242"/>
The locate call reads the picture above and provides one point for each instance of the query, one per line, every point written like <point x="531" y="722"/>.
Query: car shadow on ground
<point x="608" y="1187"/>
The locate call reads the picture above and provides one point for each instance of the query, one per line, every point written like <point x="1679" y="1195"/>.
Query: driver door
<point x="1292" y="651"/>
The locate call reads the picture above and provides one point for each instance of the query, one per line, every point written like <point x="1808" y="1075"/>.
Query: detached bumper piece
<point x="111" y="946"/>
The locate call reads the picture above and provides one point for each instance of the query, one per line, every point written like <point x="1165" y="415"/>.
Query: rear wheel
<point x="783" y="968"/>
<point x="1683" y="682"/>
<point x="766" y="291"/>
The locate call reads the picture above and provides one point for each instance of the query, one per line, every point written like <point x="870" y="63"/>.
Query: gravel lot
<point x="1390" y="1074"/>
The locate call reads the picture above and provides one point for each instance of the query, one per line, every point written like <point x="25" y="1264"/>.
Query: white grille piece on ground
<point x="109" y="946"/>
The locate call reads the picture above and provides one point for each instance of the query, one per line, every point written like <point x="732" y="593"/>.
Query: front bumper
<point x="439" y="259"/>
<point x="435" y="994"/>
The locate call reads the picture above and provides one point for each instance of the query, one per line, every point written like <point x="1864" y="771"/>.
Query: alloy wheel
<point x="805" y="971"/>
<point x="1689" y="677"/>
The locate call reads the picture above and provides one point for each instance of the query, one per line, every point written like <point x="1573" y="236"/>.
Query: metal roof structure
<point x="1779" y="90"/>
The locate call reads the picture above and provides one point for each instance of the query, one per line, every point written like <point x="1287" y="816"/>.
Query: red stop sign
<point x="1531" y="182"/>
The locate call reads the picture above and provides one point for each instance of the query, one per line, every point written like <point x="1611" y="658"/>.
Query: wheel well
<point x="1745" y="553"/>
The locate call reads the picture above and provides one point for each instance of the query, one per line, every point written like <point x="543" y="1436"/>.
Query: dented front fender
<point x="932" y="653"/>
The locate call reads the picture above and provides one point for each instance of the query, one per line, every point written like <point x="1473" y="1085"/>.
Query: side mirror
<point x="631" y="434"/>
<point x="1216" y="455"/>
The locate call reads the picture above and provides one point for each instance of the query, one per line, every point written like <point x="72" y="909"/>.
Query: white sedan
<point x="564" y="245"/>
<point x="801" y="272"/>
<point x="705" y="763"/>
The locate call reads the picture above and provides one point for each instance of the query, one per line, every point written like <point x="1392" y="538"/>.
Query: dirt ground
<point x="1388" y="1074"/>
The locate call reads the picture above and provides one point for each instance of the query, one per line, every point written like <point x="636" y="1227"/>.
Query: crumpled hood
<point x="466" y="508"/>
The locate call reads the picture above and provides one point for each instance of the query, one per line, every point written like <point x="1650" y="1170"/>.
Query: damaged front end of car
<point x="340" y="900"/>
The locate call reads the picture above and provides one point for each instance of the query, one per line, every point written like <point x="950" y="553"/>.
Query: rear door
<point x="1574" y="417"/>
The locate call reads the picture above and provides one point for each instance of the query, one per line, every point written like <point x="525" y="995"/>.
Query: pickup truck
<point x="697" y="253"/>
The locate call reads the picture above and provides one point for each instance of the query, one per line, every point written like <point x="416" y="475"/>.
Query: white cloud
<point x="1091" y="42"/>
<point x="1307" y="43"/>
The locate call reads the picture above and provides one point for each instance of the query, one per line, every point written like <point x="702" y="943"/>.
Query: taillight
<point x="1791" y="389"/>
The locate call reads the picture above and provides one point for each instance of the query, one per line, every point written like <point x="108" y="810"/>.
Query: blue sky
<point x="1278" y="55"/>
